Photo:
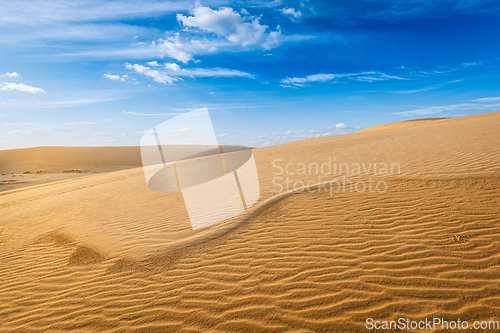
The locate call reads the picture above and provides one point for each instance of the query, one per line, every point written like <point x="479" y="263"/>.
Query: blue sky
<point x="100" y="73"/>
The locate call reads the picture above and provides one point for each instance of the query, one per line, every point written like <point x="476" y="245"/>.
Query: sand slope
<point x="103" y="253"/>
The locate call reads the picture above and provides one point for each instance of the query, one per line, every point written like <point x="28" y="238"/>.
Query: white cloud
<point x="487" y="99"/>
<point x="114" y="77"/>
<point x="21" y="87"/>
<point x="156" y="75"/>
<point x="269" y="4"/>
<point x="173" y="67"/>
<point x="227" y="23"/>
<point x="224" y="30"/>
<point x="341" y="126"/>
<point x="244" y="11"/>
<point x="273" y="40"/>
<point x="183" y="51"/>
<point x="13" y="74"/>
<point x="153" y="63"/>
<point x="130" y="79"/>
<point x="173" y="72"/>
<point x="210" y="72"/>
<point x="292" y="12"/>
<point x="362" y="77"/>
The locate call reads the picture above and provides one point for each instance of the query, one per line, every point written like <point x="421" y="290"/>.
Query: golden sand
<point x="104" y="253"/>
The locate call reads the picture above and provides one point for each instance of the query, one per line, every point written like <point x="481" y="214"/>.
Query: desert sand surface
<point x="13" y="181"/>
<point x="105" y="253"/>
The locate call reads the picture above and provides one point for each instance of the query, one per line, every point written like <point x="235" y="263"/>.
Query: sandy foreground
<point x="102" y="252"/>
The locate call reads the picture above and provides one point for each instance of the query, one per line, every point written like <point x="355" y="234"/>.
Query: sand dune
<point x="104" y="253"/>
<point x="21" y="168"/>
<point x="59" y="159"/>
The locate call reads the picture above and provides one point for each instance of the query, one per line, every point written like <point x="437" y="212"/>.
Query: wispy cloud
<point x="12" y="75"/>
<point x="58" y="103"/>
<point x="362" y="77"/>
<point x="123" y="78"/>
<point x="89" y="32"/>
<point x="175" y="69"/>
<point x="480" y="104"/>
<point x="142" y="51"/>
<point x="291" y="13"/>
<point x="403" y="73"/>
<point x="36" y="131"/>
<point x="103" y="134"/>
<point x="277" y="138"/>
<point x="184" y="49"/>
<point x="38" y="12"/>
<point x="487" y="99"/>
<point x="153" y="73"/>
<point x="152" y="114"/>
<point x="18" y="124"/>
<point x="172" y="72"/>
<point x="444" y="69"/>
<point x="428" y="88"/>
<point x="414" y="91"/>
<point x="40" y="22"/>
<point x="21" y="87"/>
<point x="114" y="77"/>
<point x="82" y="122"/>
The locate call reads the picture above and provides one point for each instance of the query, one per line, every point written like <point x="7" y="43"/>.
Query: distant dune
<point x="26" y="167"/>
<point x="105" y="253"/>
<point x="401" y="124"/>
<point x="58" y="159"/>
